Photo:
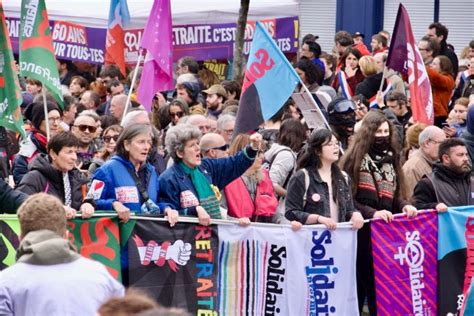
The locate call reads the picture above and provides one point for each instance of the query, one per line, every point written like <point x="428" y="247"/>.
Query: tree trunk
<point x="238" y="65"/>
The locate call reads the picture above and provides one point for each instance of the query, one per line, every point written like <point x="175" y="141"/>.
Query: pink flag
<point x="405" y="57"/>
<point x="157" y="74"/>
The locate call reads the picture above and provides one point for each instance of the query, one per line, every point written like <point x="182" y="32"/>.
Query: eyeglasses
<point x="177" y="114"/>
<point x="107" y="139"/>
<point x="342" y="106"/>
<point x="228" y="131"/>
<point x="223" y="148"/>
<point x="54" y="120"/>
<point x="83" y="128"/>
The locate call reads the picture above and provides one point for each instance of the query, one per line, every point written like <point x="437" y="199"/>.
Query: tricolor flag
<point x="37" y="59"/>
<point x="373" y="100"/>
<point x="157" y="74"/>
<point x="269" y="81"/>
<point x="345" y="88"/>
<point x="119" y="18"/>
<point x="10" y="96"/>
<point x="405" y="57"/>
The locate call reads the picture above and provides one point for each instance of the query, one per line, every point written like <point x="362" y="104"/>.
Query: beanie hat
<point x="35" y="112"/>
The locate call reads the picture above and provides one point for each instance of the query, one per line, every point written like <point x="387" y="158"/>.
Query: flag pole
<point x="132" y="84"/>
<point x="45" y="106"/>
<point x="383" y="77"/>
<point x="316" y="105"/>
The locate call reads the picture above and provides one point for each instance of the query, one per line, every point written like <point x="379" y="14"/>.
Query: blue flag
<point x="269" y="81"/>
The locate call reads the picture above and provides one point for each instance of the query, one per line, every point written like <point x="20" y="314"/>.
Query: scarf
<point x="377" y="183"/>
<point x="206" y="195"/>
<point x="44" y="247"/>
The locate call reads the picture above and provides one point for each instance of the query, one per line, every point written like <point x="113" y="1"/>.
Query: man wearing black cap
<point x="358" y="38"/>
<point x="312" y="51"/>
<point x="342" y="119"/>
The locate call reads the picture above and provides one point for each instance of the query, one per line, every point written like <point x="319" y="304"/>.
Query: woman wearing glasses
<point x="319" y="193"/>
<point x="192" y="184"/>
<point x="36" y="141"/>
<point x="378" y="187"/>
<point x="111" y="135"/>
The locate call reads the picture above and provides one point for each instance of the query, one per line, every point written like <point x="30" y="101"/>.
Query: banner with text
<point x="404" y="253"/>
<point x="203" y="42"/>
<point x="455" y="257"/>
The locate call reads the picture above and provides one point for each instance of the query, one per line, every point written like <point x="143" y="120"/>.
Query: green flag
<point x="10" y="96"/>
<point x="37" y="59"/>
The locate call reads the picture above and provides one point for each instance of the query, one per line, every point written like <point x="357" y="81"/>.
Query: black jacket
<point x="424" y="195"/>
<point x="42" y="177"/>
<point x="444" y="50"/>
<point x="10" y="199"/>
<point x="295" y="207"/>
<point x="370" y="85"/>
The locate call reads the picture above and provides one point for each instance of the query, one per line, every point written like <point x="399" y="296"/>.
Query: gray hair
<point x="177" y="137"/>
<point x="428" y="133"/>
<point x="130" y="117"/>
<point x="223" y="119"/>
<point x="128" y="134"/>
<point x="90" y="113"/>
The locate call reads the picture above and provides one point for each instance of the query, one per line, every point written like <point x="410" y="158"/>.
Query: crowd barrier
<point x="267" y="269"/>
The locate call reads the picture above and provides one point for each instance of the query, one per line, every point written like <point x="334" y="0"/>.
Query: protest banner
<point x="9" y="241"/>
<point x="404" y="253"/>
<point x="202" y="41"/>
<point x="455" y="258"/>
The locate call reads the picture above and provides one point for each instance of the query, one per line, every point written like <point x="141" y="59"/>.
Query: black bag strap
<point x="138" y="183"/>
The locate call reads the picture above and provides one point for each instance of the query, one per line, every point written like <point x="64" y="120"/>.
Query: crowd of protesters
<point x="183" y="158"/>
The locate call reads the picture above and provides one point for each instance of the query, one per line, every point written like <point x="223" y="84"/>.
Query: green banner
<point x="10" y="96"/>
<point x="9" y="241"/>
<point x="37" y="60"/>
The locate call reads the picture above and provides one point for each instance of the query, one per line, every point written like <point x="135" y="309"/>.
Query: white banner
<point x="275" y="271"/>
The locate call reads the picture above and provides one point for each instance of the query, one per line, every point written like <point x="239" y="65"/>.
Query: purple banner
<point x="203" y="42"/>
<point x="405" y="265"/>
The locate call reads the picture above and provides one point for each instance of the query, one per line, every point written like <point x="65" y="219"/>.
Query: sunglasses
<point x="107" y="139"/>
<point x="342" y="106"/>
<point x="223" y="148"/>
<point x="178" y="114"/>
<point x="83" y="128"/>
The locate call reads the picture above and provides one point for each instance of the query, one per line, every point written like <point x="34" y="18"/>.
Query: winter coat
<point x="442" y="86"/>
<point x="43" y="177"/>
<point x="29" y="149"/>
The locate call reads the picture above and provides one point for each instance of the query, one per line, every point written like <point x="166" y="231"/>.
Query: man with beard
<point x="342" y="119"/>
<point x="450" y="183"/>
<point x="216" y="96"/>
<point x="85" y="128"/>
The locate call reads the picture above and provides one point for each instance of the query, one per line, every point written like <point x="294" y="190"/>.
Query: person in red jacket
<point x="250" y="197"/>
<point x="442" y="86"/>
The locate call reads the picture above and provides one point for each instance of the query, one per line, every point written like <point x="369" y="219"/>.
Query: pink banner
<point x="405" y="264"/>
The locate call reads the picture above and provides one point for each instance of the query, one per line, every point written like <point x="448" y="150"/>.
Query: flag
<point x="157" y="73"/>
<point x="405" y="58"/>
<point x="269" y="81"/>
<point x="405" y="262"/>
<point x="37" y="59"/>
<point x="10" y="96"/>
<point x="119" y="18"/>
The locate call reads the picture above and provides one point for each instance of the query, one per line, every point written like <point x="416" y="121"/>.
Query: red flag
<point x="114" y="43"/>
<point x="405" y="57"/>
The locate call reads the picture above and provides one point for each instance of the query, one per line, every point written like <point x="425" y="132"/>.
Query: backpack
<point x="267" y="164"/>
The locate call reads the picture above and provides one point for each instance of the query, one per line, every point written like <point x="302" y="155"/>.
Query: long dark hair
<point x="363" y="140"/>
<point x="353" y="51"/>
<point x="310" y="158"/>
<point x="292" y="134"/>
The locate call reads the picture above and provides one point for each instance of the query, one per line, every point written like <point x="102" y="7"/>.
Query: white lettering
<point x="32" y="9"/>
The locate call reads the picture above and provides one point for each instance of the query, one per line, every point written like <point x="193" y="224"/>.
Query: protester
<point x="349" y="75"/>
<point x="56" y="174"/>
<point x="319" y="193"/>
<point x="372" y="78"/>
<point x="85" y="129"/>
<point x="10" y="200"/>
<point x="48" y="267"/>
<point x="133" y="303"/>
<point x="127" y="182"/>
<point x="36" y="141"/>
<point x="280" y="160"/>
<point x="450" y="182"/>
<point x="378" y="189"/>
<point x="191" y="185"/>
<point x="342" y="119"/>
<point x="468" y="135"/>
<point x="250" y="197"/>
<point x="421" y="162"/>
<point x="213" y="146"/>
<point x="225" y="126"/>
<point x="111" y="135"/>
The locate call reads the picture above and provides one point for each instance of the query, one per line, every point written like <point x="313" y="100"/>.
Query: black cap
<point x="358" y="34"/>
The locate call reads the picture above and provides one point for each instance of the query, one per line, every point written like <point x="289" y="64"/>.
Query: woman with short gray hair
<point x="127" y="181"/>
<point x="192" y="184"/>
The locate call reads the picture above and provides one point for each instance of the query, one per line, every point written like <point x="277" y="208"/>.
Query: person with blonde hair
<point x="50" y="277"/>
<point x="371" y="83"/>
